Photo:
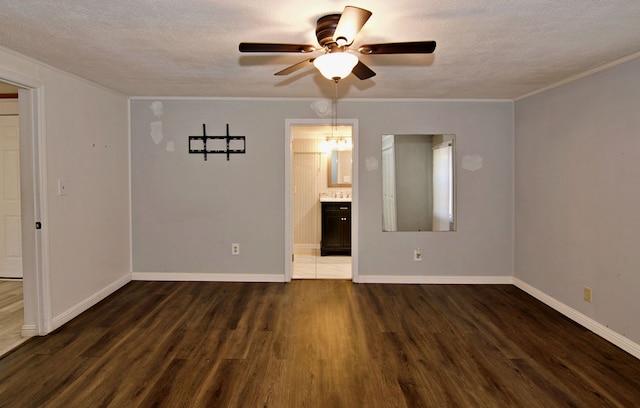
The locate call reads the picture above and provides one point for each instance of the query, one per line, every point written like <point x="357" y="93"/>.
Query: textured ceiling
<point x="485" y="48"/>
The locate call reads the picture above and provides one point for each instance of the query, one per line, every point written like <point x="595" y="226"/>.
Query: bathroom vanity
<point x="336" y="227"/>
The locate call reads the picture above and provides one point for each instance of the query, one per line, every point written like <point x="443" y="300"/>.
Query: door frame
<point x="33" y="194"/>
<point x="288" y="196"/>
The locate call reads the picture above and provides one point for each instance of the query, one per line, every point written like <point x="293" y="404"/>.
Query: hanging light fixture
<point x="335" y="65"/>
<point x="332" y="142"/>
<point x="335" y="141"/>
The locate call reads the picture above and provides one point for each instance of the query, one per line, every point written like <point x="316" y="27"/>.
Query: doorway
<point x="36" y="314"/>
<point x="311" y="188"/>
<point x="11" y="287"/>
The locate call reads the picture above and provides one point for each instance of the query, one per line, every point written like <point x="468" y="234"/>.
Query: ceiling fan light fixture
<point x="335" y="65"/>
<point x="342" y="41"/>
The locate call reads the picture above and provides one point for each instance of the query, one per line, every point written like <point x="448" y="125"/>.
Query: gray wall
<point x="87" y="147"/>
<point x="188" y="212"/>
<point x="85" y="142"/>
<point x="577" y="195"/>
<point x="482" y="244"/>
<point x="414" y="182"/>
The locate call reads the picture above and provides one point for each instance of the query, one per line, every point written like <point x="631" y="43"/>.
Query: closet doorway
<point x="321" y="178"/>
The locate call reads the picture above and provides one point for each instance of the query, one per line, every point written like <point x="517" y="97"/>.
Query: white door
<point x="10" y="223"/>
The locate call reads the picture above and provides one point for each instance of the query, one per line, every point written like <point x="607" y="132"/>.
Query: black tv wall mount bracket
<point x="221" y="144"/>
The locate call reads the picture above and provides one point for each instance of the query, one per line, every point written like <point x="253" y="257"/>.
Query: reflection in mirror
<point x="339" y="168"/>
<point x="418" y="187"/>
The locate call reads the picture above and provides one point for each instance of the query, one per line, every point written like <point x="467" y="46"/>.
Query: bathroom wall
<point x="8" y="106"/>
<point x="310" y="181"/>
<point x="309" y="172"/>
<point x="187" y="211"/>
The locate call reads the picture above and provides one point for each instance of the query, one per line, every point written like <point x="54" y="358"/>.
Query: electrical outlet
<point x="588" y="294"/>
<point x="235" y="249"/>
<point x="417" y="254"/>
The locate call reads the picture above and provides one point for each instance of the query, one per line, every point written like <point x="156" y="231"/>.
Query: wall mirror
<point x="418" y="183"/>
<point x="339" y="168"/>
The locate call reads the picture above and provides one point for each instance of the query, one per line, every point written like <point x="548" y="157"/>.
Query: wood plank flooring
<point x="11" y="314"/>
<point x="326" y="343"/>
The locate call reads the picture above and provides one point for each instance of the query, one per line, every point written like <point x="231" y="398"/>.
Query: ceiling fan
<point x="335" y="34"/>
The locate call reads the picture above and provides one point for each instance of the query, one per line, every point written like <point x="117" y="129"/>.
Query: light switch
<point x="63" y="189"/>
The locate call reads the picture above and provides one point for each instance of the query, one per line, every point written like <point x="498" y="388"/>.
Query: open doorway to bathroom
<point x="321" y="184"/>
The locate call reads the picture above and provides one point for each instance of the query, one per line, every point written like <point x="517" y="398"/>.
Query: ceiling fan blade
<point x="362" y="71"/>
<point x="275" y="47"/>
<point x="295" y="67"/>
<point x="415" y="47"/>
<point x="351" y="22"/>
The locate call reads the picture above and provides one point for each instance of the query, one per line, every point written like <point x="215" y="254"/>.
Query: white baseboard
<point x="437" y="280"/>
<point x="583" y="320"/>
<point x="606" y="333"/>
<point x="205" y="277"/>
<point x="29" y="330"/>
<point x="65" y="317"/>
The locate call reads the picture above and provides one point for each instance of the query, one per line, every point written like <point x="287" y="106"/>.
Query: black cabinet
<point x="336" y="228"/>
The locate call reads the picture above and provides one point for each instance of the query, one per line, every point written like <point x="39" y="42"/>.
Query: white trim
<point x="355" y="200"/>
<point x="515" y="99"/>
<point x="83" y="306"/>
<point x="29" y="330"/>
<point x="585" y="321"/>
<point x="40" y="64"/>
<point x="288" y="211"/>
<point x="129" y="162"/>
<point x="311" y="99"/>
<point x="41" y="210"/>
<point x="17" y="79"/>
<point x="205" y="277"/>
<point x="582" y="75"/>
<point x="437" y="280"/>
<point x="32" y="109"/>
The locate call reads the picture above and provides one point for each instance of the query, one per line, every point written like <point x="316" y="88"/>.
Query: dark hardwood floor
<point x="319" y="344"/>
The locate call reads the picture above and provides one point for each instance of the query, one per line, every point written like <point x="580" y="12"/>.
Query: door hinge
<point x="293" y="258"/>
<point x="38" y="225"/>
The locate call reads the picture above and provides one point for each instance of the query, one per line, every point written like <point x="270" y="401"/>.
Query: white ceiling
<point x="485" y="48"/>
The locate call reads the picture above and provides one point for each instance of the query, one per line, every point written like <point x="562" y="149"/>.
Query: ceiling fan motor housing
<point x="325" y="27"/>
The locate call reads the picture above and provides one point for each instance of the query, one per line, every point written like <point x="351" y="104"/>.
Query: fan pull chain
<point x="334" y="115"/>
